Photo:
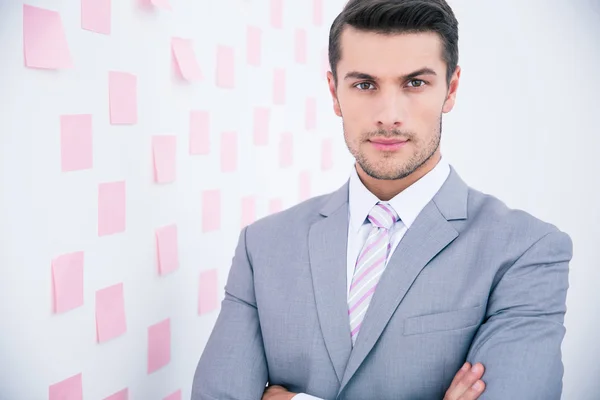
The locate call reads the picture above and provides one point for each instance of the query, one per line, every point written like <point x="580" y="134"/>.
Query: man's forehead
<point x="385" y="54"/>
<point x="356" y="44"/>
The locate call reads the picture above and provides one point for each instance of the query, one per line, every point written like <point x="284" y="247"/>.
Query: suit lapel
<point x="327" y="243"/>
<point x="429" y="234"/>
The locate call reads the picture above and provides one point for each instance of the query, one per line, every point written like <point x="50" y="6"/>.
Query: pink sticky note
<point x="304" y="185"/>
<point x="44" y="41"/>
<point x="159" y="345"/>
<point x="225" y="67"/>
<point x="185" y="59"/>
<point x="69" y="389"/>
<point x="164" y="149"/>
<point x="110" y="313"/>
<point x="279" y="86"/>
<point x="286" y="150"/>
<point x="229" y="151"/>
<point x="211" y="210"/>
<point x="277" y="13"/>
<point x="311" y="113"/>
<point x="253" y="45"/>
<point x="121" y="395"/>
<point x="261" y="126"/>
<point x="208" y="299"/>
<point x="318" y="12"/>
<point x="76" y="151"/>
<point x="67" y="278"/>
<point x="301" y="46"/>
<point x="248" y="210"/>
<point x="122" y="88"/>
<point x="199" y="132"/>
<point x="162" y="4"/>
<point x="166" y="245"/>
<point x="326" y="155"/>
<point x="275" y="205"/>
<point x="95" y="16"/>
<point x="111" y="208"/>
<point x="174" y="396"/>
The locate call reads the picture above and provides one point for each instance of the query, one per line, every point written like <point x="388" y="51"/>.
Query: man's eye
<point x="420" y="83"/>
<point x="364" y="86"/>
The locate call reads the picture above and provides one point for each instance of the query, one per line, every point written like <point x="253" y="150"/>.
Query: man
<point x="386" y="287"/>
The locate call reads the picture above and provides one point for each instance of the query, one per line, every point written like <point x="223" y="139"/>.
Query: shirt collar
<point x="408" y="204"/>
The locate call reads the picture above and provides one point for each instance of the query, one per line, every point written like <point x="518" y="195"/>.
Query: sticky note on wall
<point x="174" y="396"/>
<point x="225" y="67"/>
<point x="67" y="281"/>
<point x="122" y="97"/>
<point x="95" y="16"/>
<point x="286" y="150"/>
<point x="76" y="151"/>
<point x="167" y="249"/>
<point x="318" y="12"/>
<point x="253" y="45"/>
<point x="211" y="210"/>
<point x="162" y="4"/>
<point x="326" y="155"/>
<point x="110" y="313"/>
<point x="184" y="56"/>
<point x="121" y="395"/>
<point x="277" y="14"/>
<point x="229" y="151"/>
<point x="199" y="132"/>
<point x="279" y="86"/>
<point x="44" y="41"/>
<point x="111" y="208"/>
<point x="159" y="345"/>
<point x="301" y="45"/>
<point x="164" y="149"/>
<point x="262" y="117"/>
<point x="70" y="389"/>
<point x="311" y="113"/>
<point x="208" y="299"/>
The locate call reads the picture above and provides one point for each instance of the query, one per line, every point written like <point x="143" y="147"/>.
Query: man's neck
<point x="385" y="190"/>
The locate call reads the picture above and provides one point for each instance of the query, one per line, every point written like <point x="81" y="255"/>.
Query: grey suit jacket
<point x="471" y="280"/>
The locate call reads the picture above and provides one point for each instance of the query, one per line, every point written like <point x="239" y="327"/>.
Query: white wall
<point x="522" y="129"/>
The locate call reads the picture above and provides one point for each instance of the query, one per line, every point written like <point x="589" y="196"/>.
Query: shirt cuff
<point x="304" y="396"/>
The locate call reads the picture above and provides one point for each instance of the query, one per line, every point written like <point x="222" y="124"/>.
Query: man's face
<point x="391" y="93"/>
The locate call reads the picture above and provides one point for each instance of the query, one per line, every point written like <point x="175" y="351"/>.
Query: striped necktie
<point x="370" y="264"/>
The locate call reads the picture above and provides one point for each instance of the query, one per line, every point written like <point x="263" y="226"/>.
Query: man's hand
<point x="277" y="392"/>
<point x="466" y="384"/>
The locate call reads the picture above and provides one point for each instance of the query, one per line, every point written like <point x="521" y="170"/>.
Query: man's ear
<point x="452" y="89"/>
<point x="333" y="92"/>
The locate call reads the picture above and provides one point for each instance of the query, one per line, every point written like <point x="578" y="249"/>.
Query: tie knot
<point x="382" y="215"/>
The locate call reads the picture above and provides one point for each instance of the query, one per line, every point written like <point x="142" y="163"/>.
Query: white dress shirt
<point x="408" y="204"/>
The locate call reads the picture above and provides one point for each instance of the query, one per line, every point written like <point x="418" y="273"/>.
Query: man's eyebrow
<point x="362" y="75"/>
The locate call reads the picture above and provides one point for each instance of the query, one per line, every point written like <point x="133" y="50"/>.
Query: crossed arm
<point x="519" y="344"/>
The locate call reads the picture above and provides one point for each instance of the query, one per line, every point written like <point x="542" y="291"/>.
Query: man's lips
<point x="388" y="144"/>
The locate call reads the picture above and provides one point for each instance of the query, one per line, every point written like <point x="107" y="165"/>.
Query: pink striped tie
<point x="370" y="264"/>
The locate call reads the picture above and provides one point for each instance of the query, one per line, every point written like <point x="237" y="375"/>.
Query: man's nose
<point x="389" y="111"/>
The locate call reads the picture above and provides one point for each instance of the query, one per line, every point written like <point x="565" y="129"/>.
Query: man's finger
<point x="461" y="372"/>
<point x="474" y="391"/>
<point x="467" y="381"/>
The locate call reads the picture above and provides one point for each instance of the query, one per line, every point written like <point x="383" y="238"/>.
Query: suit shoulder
<point x="293" y="220"/>
<point x="491" y="211"/>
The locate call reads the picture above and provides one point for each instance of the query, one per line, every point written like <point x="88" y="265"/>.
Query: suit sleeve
<point x="233" y="364"/>
<point x="519" y="342"/>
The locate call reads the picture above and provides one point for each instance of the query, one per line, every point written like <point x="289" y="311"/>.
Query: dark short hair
<point x="395" y="17"/>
